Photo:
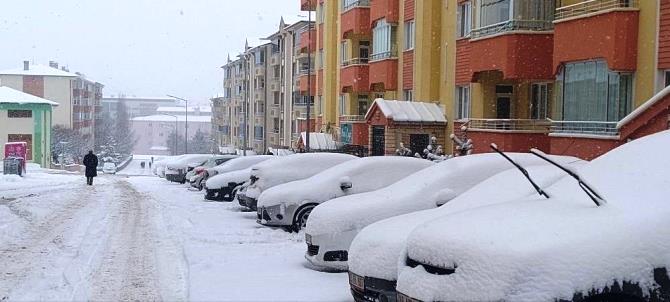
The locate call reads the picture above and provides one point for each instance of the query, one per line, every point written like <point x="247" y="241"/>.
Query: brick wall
<point x="664" y="36"/>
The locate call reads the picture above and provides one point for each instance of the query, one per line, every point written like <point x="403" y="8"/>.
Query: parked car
<point x="289" y="205"/>
<point x="176" y="169"/>
<point x="286" y="169"/>
<point x="334" y="224"/>
<point x="374" y="252"/>
<point x="603" y="235"/>
<point x="195" y="176"/>
<point x="109" y="168"/>
<point x="221" y="182"/>
<point x="158" y="167"/>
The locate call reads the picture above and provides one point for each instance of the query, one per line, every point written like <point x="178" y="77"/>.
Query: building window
<point x="320" y="105"/>
<point x="382" y="36"/>
<point x="343" y="52"/>
<point x="589" y="91"/>
<point x="343" y="103"/>
<point x="539" y="100"/>
<point x="462" y="102"/>
<point x="319" y="59"/>
<point x="363" y="104"/>
<point x="20" y="113"/>
<point x="409" y="35"/>
<point x="495" y="16"/>
<point x="667" y="78"/>
<point x="464" y="19"/>
<point x="258" y="132"/>
<point x="408" y="95"/>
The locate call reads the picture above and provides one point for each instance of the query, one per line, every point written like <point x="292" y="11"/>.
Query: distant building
<point x="181" y="110"/>
<point x="152" y="131"/>
<point x="136" y="106"/>
<point x="26" y="118"/>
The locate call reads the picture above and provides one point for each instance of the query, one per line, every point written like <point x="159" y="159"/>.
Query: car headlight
<point x="356" y="281"/>
<point x="276" y="211"/>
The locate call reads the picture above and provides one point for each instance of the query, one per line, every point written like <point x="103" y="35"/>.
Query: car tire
<point x="301" y="217"/>
<point x="210" y="195"/>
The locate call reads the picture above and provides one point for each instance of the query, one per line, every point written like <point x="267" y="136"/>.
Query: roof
<point x="171" y="118"/>
<point x="402" y="111"/>
<point x="319" y="141"/>
<point x="9" y="95"/>
<point x="181" y="109"/>
<point x="39" y="70"/>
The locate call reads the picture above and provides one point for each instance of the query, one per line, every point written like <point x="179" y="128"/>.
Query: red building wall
<point x="34" y="85"/>
<point x="664" y="36"/>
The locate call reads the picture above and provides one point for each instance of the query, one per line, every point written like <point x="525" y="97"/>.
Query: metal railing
<point x="592" y="6"/>
<point x="393" y="53"/>
<point x="354" y="4"/>
<point x="585" y="127"/>
<point x="512" y="25"/>
<point x="541" y="126"/>
<point x="352" y="118"/>
<point x="355" y="61"/>
<point x="306" y="71"/>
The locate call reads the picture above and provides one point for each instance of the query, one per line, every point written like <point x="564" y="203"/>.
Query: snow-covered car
<point x="221" y="182"/>
<point x="602" y="234"/>
<point x="334" y="224"/>
<point x="286" y="169"/>
<point x="374" y="252"/>
<point x="176" y="169"/>
<point x="109" y="168"/>
<point x="158" y="167"/>
<point x="289" y="205"/>
<point x="196" y="175"/>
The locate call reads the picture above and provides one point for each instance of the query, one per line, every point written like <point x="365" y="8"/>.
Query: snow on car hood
<point x="416" y="192"/>
<point x="537" y="249"/>
<point x="376" y="249"/>
<point x="239" y="163"/>
<point x="292" y="167"/>
<point x="183" y="161"/>
<point x="221" y="180"/>
<point x="365" y="174"/>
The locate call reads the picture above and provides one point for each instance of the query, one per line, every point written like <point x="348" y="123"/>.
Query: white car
<point x="176" y="169"/>
<point x="289" y="205"/>
<point x="158" y="167"/>
<point x="196" y="175"/>
<point x="221" y="182"/>
<point x="604" y="238"/>
<point x="334" y="224"/>
<point x="286" y="169"/>
<point x="374" y="252"/>
<point x="109" y="168"/>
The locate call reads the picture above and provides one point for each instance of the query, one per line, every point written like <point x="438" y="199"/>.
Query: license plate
<point x="308" y="239"/>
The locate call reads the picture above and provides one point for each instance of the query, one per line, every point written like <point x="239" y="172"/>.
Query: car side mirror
<point x="345" y="183"/>
<point x="443" y="196"/>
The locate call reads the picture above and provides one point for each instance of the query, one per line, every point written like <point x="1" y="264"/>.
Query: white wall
<point x="13" y="126"/>
<point x="59" y="90"/>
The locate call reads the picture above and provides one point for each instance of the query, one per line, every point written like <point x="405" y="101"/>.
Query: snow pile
<point x="290" y="168"/>
<point x="416" y="192"/>
<point x="376" y="249"/>
<point x="537" y="249"/>
<point x="363" y="174"/>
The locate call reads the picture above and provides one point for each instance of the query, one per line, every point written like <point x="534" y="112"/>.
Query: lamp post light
<point x="176" y="132"/>
<point x="185" y="133"/>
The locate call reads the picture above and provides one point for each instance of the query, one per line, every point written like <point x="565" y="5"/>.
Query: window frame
<point x="464" y="19"/>
<point x="463" y="102"/>
<point x="410" y="35"/>
<point x="19" y="113"/>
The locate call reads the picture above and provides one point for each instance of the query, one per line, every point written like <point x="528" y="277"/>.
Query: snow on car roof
<point x="241" y="162"/>
<point x="538" y="249"/>
<point x="364" y="173"/>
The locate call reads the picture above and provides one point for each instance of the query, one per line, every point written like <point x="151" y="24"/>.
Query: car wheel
<point x="300" y="220"/>
<point x="210" y="195"/>
<point x="230" y="197"/>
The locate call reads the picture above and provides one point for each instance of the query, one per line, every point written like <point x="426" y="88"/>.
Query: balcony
<point x="585" y="128"/>
<point x="597" y="29"/>
<point x="307" y="5"/>
<point x="355" y="19"/>
<point x="259" y="95"/>
<point x="511" y="135"/>
<point x="275" y="59"/>
<point x="275" y="84"/>
<point x="303" y="80"/>
<point x="305" y="43"/>
<point x="511" y="26"/>
<point x="388" y="9"/>
<point x="352" y="118"/>
<point x="354" y="75"/>
<point x="384" y="71"/>
<point x="259" y="70"/>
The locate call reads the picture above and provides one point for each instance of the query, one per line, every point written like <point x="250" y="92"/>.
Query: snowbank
<point x="537" y="249"/>
<point x="364" y="174"/>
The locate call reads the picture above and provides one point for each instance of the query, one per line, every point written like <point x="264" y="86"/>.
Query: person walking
<point x="91" y="163"/>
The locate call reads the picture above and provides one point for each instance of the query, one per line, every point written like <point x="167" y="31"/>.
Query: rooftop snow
<point x="9" y="95"/>
<point x="181" y="109"/>
<point x="401" y="111"/>
<point x="39" y="70"/>
<point x="171" y="118"/>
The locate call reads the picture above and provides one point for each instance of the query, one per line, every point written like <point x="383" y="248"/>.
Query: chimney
<point x="26" y="65"/>
<point x="53" y="64"/>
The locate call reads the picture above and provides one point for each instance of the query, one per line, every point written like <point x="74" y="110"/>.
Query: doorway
<point x="378" y="140"/>
<point x="504" y="101"/>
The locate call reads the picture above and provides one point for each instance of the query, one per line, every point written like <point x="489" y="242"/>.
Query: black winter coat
<point x="91" y="163"/>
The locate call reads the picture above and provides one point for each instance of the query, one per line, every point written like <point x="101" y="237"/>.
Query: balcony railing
<point x="355" y="61"/>
<point x="512" y="25"/>
<point x="354" y="4"/>
<point x="306" y="71"/>
<point x="525" y="125"/>
<point x="393" y="53"/>
<point x="592" y="6"/>
<point x="585" y="127"/>
<point x="352" y="118"/>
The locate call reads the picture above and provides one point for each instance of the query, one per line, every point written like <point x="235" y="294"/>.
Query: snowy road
<point x="142" y="238"/>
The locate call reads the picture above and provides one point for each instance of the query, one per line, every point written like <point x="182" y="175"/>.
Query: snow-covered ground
<point x="143" y="238"/>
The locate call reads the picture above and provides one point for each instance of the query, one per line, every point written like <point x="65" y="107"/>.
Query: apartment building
<point x="228" y="111"/>
<point x="78" y="96"/>
<point x="135" y="106"/>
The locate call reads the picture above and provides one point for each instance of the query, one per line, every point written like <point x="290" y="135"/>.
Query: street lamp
<point x="176" y="133"/>
<point x="185" y="133"/>
<point x="309" y="72"/>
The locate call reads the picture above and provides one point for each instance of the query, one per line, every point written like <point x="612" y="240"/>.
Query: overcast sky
<point x="139" y="47"/>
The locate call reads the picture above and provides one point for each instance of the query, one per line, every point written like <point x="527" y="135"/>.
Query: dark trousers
<point x="89" y="181"/>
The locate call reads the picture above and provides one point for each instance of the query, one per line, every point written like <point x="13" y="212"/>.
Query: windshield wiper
<point x="523" y="171"/>
<point x="597" y="199"/>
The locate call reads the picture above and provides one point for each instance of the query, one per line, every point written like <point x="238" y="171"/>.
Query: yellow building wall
<point x="427" y="49"/>
<point x="331" y="48"/>
<point x="447" y="85"/>
<point x="645" y="75"/>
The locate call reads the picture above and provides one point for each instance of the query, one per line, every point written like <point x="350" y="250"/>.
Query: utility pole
<point x="185" y="133"/>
